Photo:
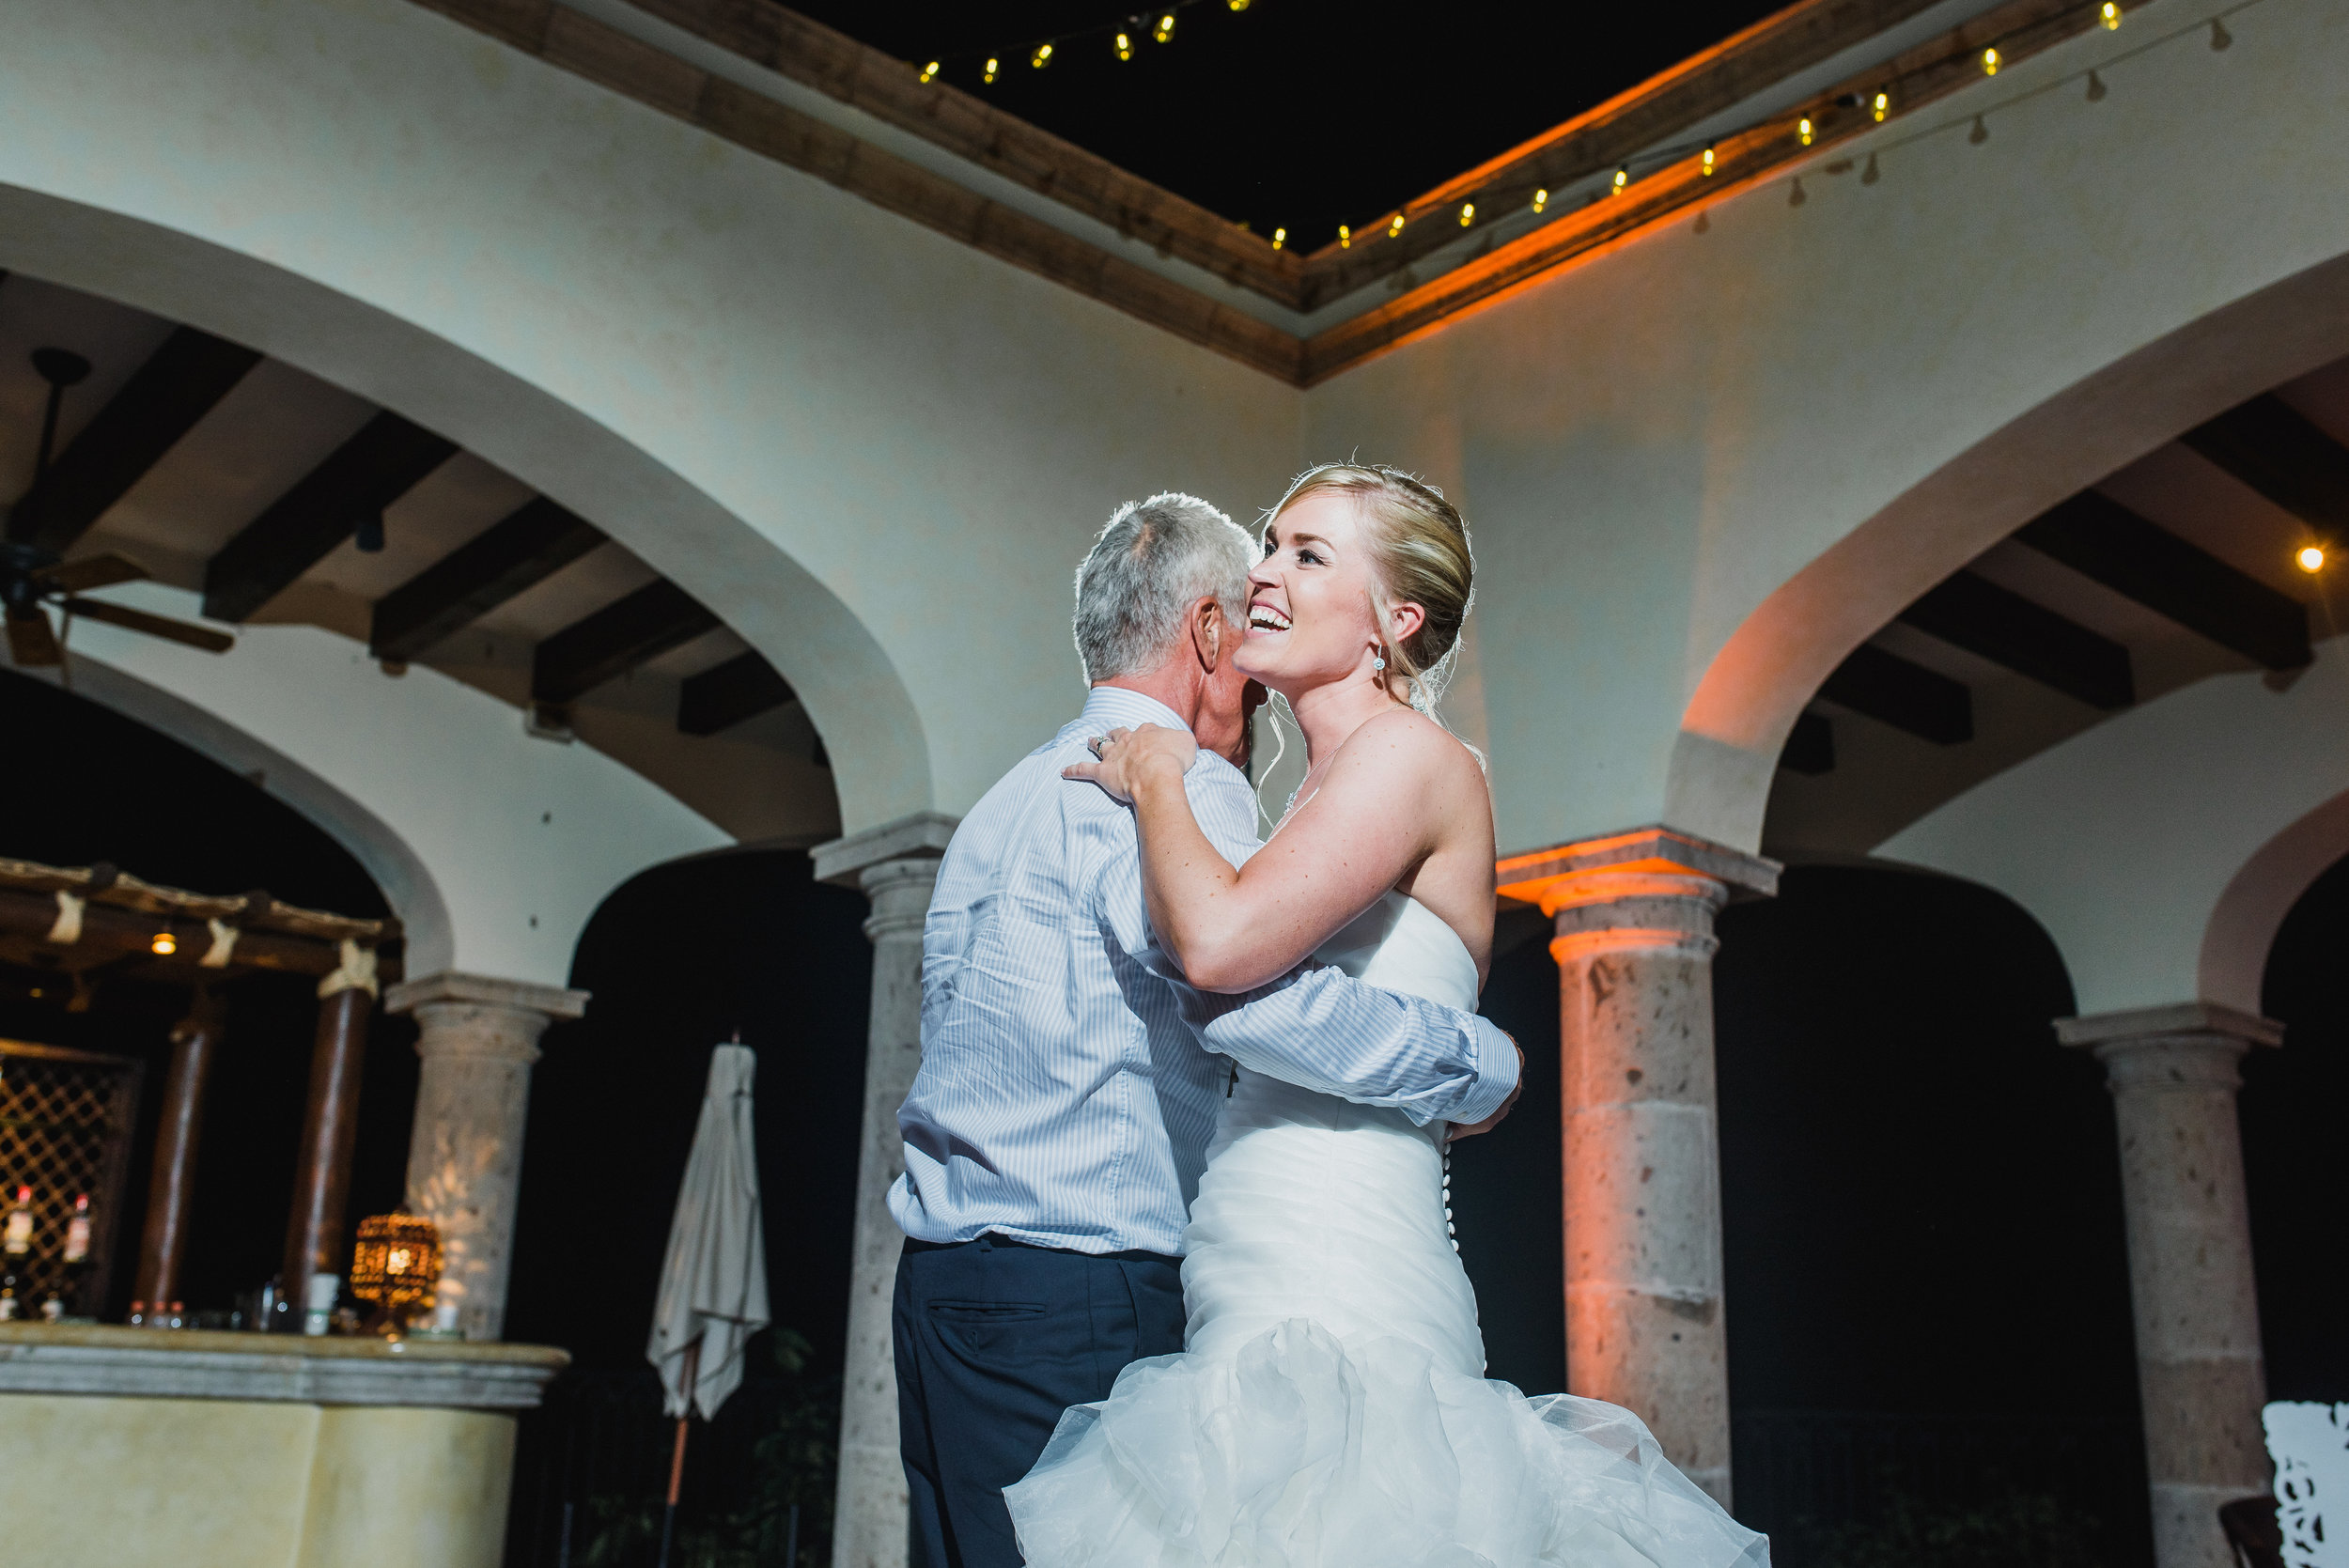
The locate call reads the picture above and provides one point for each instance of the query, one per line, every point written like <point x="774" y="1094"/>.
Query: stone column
<point x="1644" y="1324"/>
<point x="2200" y="1374"/>
<point x="478" y="1037"/>
<point x="896" y="866"/>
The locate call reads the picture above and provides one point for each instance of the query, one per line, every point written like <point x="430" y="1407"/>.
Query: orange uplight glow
<point x="2311" y="559"/>
<point x="164" y="946"/>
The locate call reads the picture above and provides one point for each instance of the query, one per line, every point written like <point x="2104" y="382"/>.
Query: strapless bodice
<point x="1400" y="944"/>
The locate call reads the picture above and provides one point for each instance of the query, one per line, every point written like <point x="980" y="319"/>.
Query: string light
<point x="2311" y="559"/>
<point x="1622" y="177"/>
<point x="1396" y="228"/>
<point x="1346" y="237"/>
<point x="1124" y="46"/>
<point x="1468" y="214"/>
<point x="991" y="64"/>
<point x="1802" y="129"/>
<point x="2097" y="88"/>
<point x="1541" y="198"/>
<point x="164" y="946"/>
<point x="1165" y="29"/>
<point x="1238" y="5"/>
<point x="929" y="72"/>
<point x="2219" y="36"/>
<point x="1980" y="134"/>
<point x="1708" y="157"/>
<point x="1882" y="106"/>
<point x="2112" y="15"/>
<point x="1280" y="238"/>
<point x="1042" y="57"/>
<point x="1990" y="62"/>
<point x="1869" y="175"/>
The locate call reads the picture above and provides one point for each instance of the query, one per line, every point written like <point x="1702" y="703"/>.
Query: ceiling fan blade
<point x="91" y="571"/>
<point x="154" y="625"/>
<point x="31" y="643"/>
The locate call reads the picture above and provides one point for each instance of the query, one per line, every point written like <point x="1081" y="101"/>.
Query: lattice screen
<point x="66" y="1118"/>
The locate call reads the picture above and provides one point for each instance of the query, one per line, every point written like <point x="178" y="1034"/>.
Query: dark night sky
<point x="1302" y="112"/>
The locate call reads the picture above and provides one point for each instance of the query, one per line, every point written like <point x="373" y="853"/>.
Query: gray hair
<point x="1151" y="564"/>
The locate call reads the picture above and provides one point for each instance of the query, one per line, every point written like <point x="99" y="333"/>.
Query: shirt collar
<point x="1108" y="707"/>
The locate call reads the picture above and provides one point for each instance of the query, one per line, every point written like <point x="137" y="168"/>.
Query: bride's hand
<point x="1126" y="754"/>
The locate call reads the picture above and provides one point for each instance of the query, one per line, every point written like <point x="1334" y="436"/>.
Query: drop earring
<point x="1377" y="663"/>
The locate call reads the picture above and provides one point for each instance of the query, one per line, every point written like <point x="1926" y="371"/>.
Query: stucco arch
<point x="2243" y="926"/>
<point x="1752" y="690"/>
<point x="842" y="675"/>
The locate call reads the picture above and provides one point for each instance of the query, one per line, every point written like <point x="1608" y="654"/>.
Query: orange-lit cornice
<point x="1644" y="862"/>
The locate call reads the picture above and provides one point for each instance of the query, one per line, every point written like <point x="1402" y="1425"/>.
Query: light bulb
<point x="1042" y="57"/>
<point x="1165" y="28"/>
<point x="1622" y="177"/>
<point x="1396" y="228"/>
<point x="1804" y="130"/>
<point x="2311" y="559"/>
<point x="1346" y="237"/>
<point x="1238" y="5"/>
<point x="929" y="71"/>
<point x="1882" y="106"/>
<point x="1541" y="199"/>
<point x="1280" y="238"/>
<point x="1990" y="62"/>
<point x="2111" y="14"/>
<point x="164" y="944"/>
<point x="1124" y="46"/>
<point x="1468" y="214"/>
<point x="1708" y="159"/>
<point x="993" y="65"/>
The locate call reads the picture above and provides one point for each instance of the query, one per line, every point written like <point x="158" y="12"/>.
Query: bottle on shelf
<point x="53" y="1310"/>
<point x="16" y="1234"/>
<point x="178" y="1318"/>
<point x="138" y="1314"/>
<point x="9" y="1304"/>
<point x="77" y="1232"/>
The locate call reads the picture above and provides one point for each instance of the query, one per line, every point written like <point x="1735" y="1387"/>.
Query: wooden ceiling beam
<point x="1810" y="748"/>
<point x="300" y="528"/>
<point x="727" y="695"/>
<point x="1893" y="691"/>
<point x="2276" y="450"/>
<point x="2103" y="540"/>
<point x="615" y="639"/>
<point x="1972" y="613"/>
<point x="524" y="549"/>
<point x="182" y="381"/>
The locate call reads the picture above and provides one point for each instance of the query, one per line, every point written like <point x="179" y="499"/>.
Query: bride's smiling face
<point x="1312" y="614"/>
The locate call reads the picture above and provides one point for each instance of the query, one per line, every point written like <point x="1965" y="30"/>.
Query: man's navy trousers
<point x="995" y="1339"/>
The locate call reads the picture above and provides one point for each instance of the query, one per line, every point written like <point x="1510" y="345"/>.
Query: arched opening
<point x="2292" y="1105"/>
<point x="679" y="959"/>
<point x="1920" y="1210"/>
<point x="88" y="785"/>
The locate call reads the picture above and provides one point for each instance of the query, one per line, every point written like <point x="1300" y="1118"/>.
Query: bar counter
<point x="213" y="1450"/>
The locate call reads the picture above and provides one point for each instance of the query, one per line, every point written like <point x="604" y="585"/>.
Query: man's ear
<point x="1207" y="634"/>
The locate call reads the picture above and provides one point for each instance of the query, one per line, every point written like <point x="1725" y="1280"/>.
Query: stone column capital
<point x="2189" y="1045"/>
<point x="1645" y="862"/>
<point x="554" y="1002"/>
<point x="900" y="894"/>
<point x="843" y="861"/>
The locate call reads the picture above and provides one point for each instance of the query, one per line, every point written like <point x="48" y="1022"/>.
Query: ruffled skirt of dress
<point x="1332" y="1411"/>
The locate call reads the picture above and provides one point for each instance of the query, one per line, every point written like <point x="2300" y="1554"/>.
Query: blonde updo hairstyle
<point x="1419" y="548"/>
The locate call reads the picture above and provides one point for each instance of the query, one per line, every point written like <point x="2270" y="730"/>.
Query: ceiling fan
<point x="32" y="579"/>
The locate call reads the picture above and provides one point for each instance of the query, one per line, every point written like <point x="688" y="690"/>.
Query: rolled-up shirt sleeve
<point x="1318" y="1027"/>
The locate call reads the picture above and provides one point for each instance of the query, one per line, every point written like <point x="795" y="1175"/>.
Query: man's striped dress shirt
<point x="1062" y="1099"/>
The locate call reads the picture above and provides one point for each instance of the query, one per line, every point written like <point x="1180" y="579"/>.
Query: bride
<point x="1330" y="1410"/>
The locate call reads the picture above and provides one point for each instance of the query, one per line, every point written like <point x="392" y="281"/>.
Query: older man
<point x="1056" y="1132"/>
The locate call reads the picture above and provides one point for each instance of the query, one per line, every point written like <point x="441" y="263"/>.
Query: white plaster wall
<point x="876" y="452"/>
<point x="1653" y="444"/>
<point x="493" y="848"/>
<point x="2124" y="841"/>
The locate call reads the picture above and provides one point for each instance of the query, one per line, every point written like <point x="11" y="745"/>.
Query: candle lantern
<point x="397" y="1265"/>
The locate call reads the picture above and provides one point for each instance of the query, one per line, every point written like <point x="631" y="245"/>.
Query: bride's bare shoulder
<point x="1406" y="749"/>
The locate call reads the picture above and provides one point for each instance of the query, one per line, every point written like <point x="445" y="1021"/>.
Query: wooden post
<point x="314" y="1230"/>
<point x="194" y="1043"/>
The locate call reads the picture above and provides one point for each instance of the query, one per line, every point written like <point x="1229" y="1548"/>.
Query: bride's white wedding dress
<point x="1332" y="1410"/>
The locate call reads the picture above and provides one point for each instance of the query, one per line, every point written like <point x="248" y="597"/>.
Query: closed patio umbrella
<point x="713" y="1282"/>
